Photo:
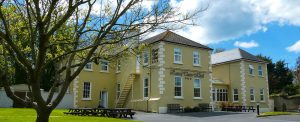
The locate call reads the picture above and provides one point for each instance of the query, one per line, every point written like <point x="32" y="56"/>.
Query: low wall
<point x="67" y="101"/>
<point x="291" y="103"/>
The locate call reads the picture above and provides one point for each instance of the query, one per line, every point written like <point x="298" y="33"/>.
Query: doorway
<point x="104" y="99"/>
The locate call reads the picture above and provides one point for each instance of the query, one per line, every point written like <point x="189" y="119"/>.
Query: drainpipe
<point x="149" y="88"/>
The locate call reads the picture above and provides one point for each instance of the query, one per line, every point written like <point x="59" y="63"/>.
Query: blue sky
<point x="271" y="43"/>
<point x="267" y="27"/>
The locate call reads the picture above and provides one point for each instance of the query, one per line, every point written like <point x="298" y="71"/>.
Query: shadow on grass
<point x="206" y="114"/>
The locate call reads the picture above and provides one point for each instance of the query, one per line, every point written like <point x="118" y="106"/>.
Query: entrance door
<point x="104" y="99"/>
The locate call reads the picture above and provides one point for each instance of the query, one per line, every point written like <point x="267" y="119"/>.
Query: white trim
<point x="101" y="70"/>
<point x="251" y="67"/>
<point x="118" y="67"/>
<point x="90" y="91"/>
<point x="197" y="98"/>
<point x="200" y="83"/>
<point x="250" y="94"/>
<point x="90" y="70"/>
<point x="263" y="90"/>
<point x="174" y="55"/>
<point x="181" y="86"/>
<point x="260" y="70"/>
<point x="233" y="94"/>
<point x="197" y="57"/>
<point x="145" y="87"/>
<point x="145" y="53"/>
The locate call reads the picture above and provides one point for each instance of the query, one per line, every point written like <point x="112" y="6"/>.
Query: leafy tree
<point x="297" y="71"/>
<point x="279" y="76"/>
<point x="42" y="36"/>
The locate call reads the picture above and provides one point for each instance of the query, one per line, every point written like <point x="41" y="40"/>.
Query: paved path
<point x="212" y="117"/>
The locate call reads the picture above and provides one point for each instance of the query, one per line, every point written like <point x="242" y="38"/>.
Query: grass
<point x="29" y="115"/>
<point x="276" y="114"/>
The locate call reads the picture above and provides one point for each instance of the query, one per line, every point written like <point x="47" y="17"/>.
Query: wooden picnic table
<point x="116" y="112"/>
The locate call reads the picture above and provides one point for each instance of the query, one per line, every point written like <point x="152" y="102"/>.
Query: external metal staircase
<point x="121" y="101"/>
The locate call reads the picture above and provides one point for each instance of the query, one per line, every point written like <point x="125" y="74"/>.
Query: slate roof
<point x="233" y="55"/>
<point x="169" y="36"/>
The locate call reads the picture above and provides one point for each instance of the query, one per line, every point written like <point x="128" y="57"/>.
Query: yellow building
<point x="171" y="70"/>
<point x="239" y="78"/>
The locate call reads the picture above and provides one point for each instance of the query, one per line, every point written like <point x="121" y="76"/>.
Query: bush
<point x="188" y="109"/>
<point x="196" y="109"/>
<point x="291" y="89"/>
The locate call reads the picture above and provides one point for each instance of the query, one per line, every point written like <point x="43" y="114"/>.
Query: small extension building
<point x="173" y="70"/>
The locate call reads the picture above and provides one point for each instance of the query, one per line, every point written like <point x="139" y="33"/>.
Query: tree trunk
<point x="43" y="115"/>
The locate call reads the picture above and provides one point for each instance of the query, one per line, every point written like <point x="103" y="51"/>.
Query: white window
<point x="262" y="94"/>
<point x="89" y="66"/>
<point x="235" y="95"/>
<point x="260" y="71"/>
<point x="222" y="95"/>
<point x="146" y="58"/>
<point x="118" y="90"/>
<point x="178" y="86"/>
<point x="118" y="66"/>
<point x="104" y="66"/>
<point x="86" y="91"/>
<point x="252" y="95"/>
<point x="196" y="58"/>
<point x="251" y="68"/>
<point x="146" y="88"/>
<point x="177" y="56"/>
<point x="197" y="88"/>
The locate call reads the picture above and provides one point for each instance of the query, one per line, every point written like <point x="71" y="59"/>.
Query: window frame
<point x="262" y="94"/>
<point x="145" y="56"/>
<point x="146" y="87"/>
<point x="260" y="70"/>
<point x="196" y="55"/>
<point x="200" y="93"/>
<point x="181" y="87"/>
<point x="87" y="69"/>
<point x="251" y="70"/>
<point x="235" y="94"/>
<point x="118" y="69"/>
<point x="180" y="55"/>
<point x="101" y="70"/>
<point x="86" y="95"/>
<point x="252" y="94"/>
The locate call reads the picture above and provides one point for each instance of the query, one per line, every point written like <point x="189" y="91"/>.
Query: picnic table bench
<point x="205" y="107"/>
<point x="116" y="112"/>
<point x="174" y="108"/>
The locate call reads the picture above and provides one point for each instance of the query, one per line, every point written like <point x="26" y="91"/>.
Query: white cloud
<point x="250" y="44"/>
<point x="230" y="19"/>
<point x="295" y="47"/>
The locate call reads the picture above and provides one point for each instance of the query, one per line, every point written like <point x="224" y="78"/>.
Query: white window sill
<point x="197" y="98"/>
<point x="89" y="70"/>
<point x="103" y="71"/>
<point x="253" y="101"/>
<point x="145" y="64"/>
<point x="251" y="75"/>
<point x="178" y="63"/>
<point x="196" y="65"/>
<point x="118" y="72"/>
<point x="235" y="101"/>
<point x="178" y="97"/>
<point x="260" y="76"/>
<point x="86" y="99"/>
<point x="146" y="98"/>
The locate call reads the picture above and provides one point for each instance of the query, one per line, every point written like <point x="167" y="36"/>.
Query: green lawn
<point x="277" y="113"/>
<point x="29" y="115"/>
